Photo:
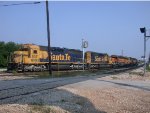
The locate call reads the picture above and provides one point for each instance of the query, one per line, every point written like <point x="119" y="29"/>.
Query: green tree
<point x="149" y="59"/>
<point x="2" y="54"/>
<point x="3" y="61"/>
<point x="5" y="50"/>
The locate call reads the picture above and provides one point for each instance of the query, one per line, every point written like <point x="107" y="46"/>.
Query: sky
<point x="108" y="26"/>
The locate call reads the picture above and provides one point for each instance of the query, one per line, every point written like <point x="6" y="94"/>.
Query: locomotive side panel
<point x="96" y="60"/>
<point x="99" y="58"/>
<point x="63" y="56"/>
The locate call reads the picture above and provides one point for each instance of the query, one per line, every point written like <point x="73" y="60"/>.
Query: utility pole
<point x="144" y="52"/>
<point x="149" y="59"/>
<point x="48" y="37"/>
<point x="143" y="30"/>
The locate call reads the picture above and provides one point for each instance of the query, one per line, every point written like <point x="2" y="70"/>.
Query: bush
<point x="148" y="67"/>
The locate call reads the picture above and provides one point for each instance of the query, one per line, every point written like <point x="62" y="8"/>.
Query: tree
<point x="149" y="59"/>
<point x="5" y="50"/>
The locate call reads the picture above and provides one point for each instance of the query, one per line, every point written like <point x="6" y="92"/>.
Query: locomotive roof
<point x="119" y="56"/>
<point x="98" y="53"/>
<point x="45" y="48"/>
<point x="132" y="58"/>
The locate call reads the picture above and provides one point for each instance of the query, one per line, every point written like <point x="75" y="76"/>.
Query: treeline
<point x="5" y="50"/>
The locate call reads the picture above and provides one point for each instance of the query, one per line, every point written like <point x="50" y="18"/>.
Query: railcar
<point x="114" y="61"/>
<point x="120" y="61"/>
<point x="133" y="61"/>
<point x="35" y="58"/>
<point x="123" y="61"/>
<point x="96" y="60"/>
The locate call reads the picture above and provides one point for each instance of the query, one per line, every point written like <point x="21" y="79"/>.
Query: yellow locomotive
<point x="32" y="57"/>
<point x="28" y="58"/>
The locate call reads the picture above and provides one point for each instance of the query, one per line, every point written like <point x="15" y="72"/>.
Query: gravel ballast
<point x="127" y="92"/>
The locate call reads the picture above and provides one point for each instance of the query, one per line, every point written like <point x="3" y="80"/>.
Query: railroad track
<point x="12" y="94"/>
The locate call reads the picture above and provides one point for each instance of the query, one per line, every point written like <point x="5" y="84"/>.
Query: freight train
<point x="31" y="57"/>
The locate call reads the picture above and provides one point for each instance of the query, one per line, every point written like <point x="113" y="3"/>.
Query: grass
<point x="81" y="103"/>
<point x="63" y="100"/>
<point x="3" y="69"/>
<point x="15" y="72"/>
<point x="136" y="73"/>
<point x="113" y="77"/>
<point x="55" y="74"/>
<point x="41" y="109"/>
<point x="70" y="73"/>
<point x="148" y="67"/>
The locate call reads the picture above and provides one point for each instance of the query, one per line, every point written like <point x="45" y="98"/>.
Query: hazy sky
<point x="109" y="27"/>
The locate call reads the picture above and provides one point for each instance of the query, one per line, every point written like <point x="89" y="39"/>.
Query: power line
<point x="19" y="4"/>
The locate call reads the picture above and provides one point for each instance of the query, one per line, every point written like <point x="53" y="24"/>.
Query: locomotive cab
<point x="18" y="56"/>
<point x="16" y="59"/>
<point x="25" y="57"/>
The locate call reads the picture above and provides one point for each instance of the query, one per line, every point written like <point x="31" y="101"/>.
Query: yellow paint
<point x="88" y="57"/>
<point x="29" y="56"/>
<point x="98" y="59"/>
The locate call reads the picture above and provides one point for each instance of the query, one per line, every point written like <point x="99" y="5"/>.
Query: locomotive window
<point x="16" y="55"/>
<point x="24" y="49"/>
<point x="35" y="51"/>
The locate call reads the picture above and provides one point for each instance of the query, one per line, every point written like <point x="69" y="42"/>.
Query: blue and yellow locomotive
<point x="32" y="57"/>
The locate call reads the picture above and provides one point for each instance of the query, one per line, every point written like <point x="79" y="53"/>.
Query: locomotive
<point x="31" y="57"/>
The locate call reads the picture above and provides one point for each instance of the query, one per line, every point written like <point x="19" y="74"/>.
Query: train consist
<point x="32" y="57"/>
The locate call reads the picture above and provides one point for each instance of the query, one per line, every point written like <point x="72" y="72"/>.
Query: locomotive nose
<point x="17" y="57"/>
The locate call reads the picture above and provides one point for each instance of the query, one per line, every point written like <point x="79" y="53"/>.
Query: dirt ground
<point x="121" y="93"/>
